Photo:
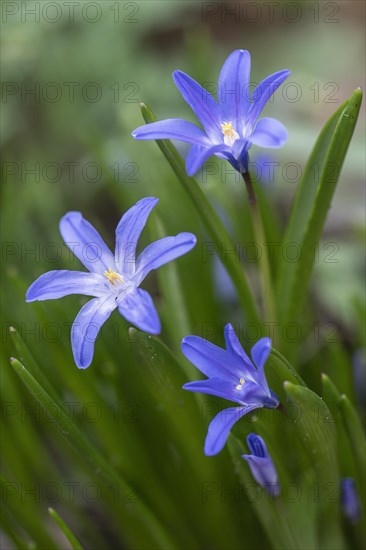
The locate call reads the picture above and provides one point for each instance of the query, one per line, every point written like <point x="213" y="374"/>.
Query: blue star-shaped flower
<point x="233" y="376"/>
<point x="230" y="124"/>
<point x="261" y="464"/>
<point x="113" y="280"/>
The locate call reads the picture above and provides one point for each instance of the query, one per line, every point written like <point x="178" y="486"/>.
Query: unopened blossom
<point x="350" y="501"/>
<point x="261" y="464"/>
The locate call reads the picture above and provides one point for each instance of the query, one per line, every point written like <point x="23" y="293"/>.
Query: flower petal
<point x="172" y="128"/>
<point x="215" y="386"/>
<point x="211" y="360"/>
<point x="269" y="132"/>
<point x="202" y="103"/>
<point x="240" y="150"/>
<point x="240" y="147"/>
<point x="60" y="283"/>
<point x="198" y="154"/>
<point x="264" y="472"/>
<point x="85" y="242"/>
<point x="263" y="92"/>
<point x="261" y="464"/>
<point x="139" y="309"/>
<point x="253" y="392"/>
<point x="161" y="252"/>
<point x="234" y="346"/>
<point x="260" y="352"/>
<point x="128" y="232"/>
<point x="221" y="425"/>
<point x="86" y="327"/>
<point x="233" y="88"/>
<point x="257" y="445"/>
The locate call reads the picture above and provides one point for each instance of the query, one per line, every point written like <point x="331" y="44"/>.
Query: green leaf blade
<point x="316" y="431"/>
<point x="99" y="465"/>
<point x="311" y="205"/>
<point x="356" y="436"/>
<point x="69" y="535"/>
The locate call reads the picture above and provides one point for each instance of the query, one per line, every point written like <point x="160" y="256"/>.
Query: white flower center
<point x="113" y="277"/>
<point x="241" y="384"/>
<point x="230" y="135"/>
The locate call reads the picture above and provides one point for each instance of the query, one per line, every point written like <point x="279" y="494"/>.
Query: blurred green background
<point x="72" y="80"/>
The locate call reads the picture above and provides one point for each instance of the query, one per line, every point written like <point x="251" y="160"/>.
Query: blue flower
<point x="233" y="376"/>
<point x="113" y="280"/>
<point x="261" y="464"/>
<point x="350" y="501"/>
<point x="230" y="124"/>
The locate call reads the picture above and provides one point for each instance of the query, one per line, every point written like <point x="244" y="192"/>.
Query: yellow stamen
<point x="113" y="277"/>
<point x="230" y="135"/>
<point x="227" y="128"/>
<point x="239" y="386"/>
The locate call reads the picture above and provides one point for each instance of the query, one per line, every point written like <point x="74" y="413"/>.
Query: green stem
<point x="266" y="277"/>
<point x="211" y="220"/>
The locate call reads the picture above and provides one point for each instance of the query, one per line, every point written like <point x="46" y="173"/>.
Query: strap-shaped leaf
<point x="70" y="537"/>
<point x="356" y="436"/>
<point x="316" y="431"/>
<point x="351" y="439"/>
<point x="283" y="369"/>
<point x="312" y="201"/>
<point x="134" y="515"/>
<point x="332" y="398"/>
<point x="174" y="305"/>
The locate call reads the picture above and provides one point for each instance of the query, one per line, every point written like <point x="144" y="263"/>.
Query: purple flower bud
<point x="350" y="501"/>
<point x="261" y="464"/>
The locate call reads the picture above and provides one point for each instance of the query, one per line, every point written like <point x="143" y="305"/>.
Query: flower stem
<point x="266" y="278"/>
<point x="211" y="221"/>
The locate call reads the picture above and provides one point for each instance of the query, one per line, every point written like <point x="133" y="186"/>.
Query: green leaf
<point x="75" y="544"/>
<point x="134" y="514"/>
<point x="17" y="520"/>
<point x="174" y="307"/>
<point x="341" y="369"/>
<point x="332" y="398"/>
<point x="10" y="527"/>
<point x="166" y="374"/>
<point x="211" y="221"/>
<point x="26" y="356"/>
<point x="283" y="369"/>
<point x="311" y="205"/>
<point x="351" y="439"/>
<point x="316" y="431"/>
<point x="161" y="380"/>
